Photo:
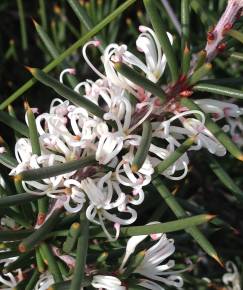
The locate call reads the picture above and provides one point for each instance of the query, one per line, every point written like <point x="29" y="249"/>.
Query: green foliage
<point x="60" y="29"/>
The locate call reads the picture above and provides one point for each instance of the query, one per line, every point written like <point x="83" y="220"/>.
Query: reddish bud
<point x="210" y="36"/>
<point x="182" y="79"/>
<point x="227" y="27"/>
<point x="41" y="218"/>
<point x="221" y="47"/>
<point x="186" y="93"/>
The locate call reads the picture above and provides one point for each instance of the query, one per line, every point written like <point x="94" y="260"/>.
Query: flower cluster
<point x="152" y="273"/>
<point x="112" y="187"/>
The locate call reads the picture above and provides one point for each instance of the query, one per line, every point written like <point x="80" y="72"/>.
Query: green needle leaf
<point x="10" y="235"/>
<point x="42" y="12"/>
<point x="33" y="133"/>
<point x="173" y="157"/>
<point x="39" y="261"/>
<point x="167" y="227"/>
<point x="55" y="170"/>
<point x="215" y="130"/>
<point x="201" y="58"/>
<point x="13" y="123"/>
<point x="143" y="147"/>
<point x="179" y="212"/>
<point x="219" y="90"/>
<point x="185" y="22"/>
<point x="81" y="254"/>
<point x="66" y="285"/>
<point x="66" y="92"/>
<point x="50" y="46"/>
<point x="200" y="73"/>
<point x="51" y="262"/>
<point x="158" y="27"/>
<point x="41" y="233"/>
<point x="69" y="51"/>
<point x="84" y="18"/>
<point x="33" y="280"/>
<point x="16" y="199"/>
<point x="23" y="30"/>
<point x="224" y="177"/>
<point x="139" y="80"/>
<point x="235" y="34"/>
<point x="36" y="149"/>
<point x="72" y="238"/>
<point x="186" y="57"/>
<point x="23" y="260"/>
<point x="46" y="40"/>
<point x="237" y="56"/>
<point x="7" y="160"/>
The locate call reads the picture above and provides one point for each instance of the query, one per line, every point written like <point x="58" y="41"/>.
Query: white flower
<point x="70" y="71"/>
<point x="55" y="136"/>
<point x="75" y="194"/>
<point x="151" y="268"/>
<point x="9" y="281"/>
<point x="127" y="177"/>
<point x="59" y="107"/>
<point x="148" y="43"/>
<point x="191" y="127"/>
<point x="204" y="137"/>
<point x="104" y="195"/>
<point x="107" y="282"/>
<point x="109" y="145"/>
<point x="97" y="91"/>
<point x="232" y="278"/>
<point x="219" y="109"/>
<point x="111" y="142"/>
<point x="130" y="248"/>
<point x="236" y="130"/>
<point x="23" y="152"/>
<point x="45" y="281"/>
<point x="7" y="261"/>
<point x="49" y="185"/>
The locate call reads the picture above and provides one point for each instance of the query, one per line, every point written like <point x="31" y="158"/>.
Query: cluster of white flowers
<point x="112" y="188"/>
<point x="69" y="132"/>
<point x="150" y="269"/>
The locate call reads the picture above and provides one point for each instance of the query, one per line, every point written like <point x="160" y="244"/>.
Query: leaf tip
<point x="75" y="225"/>
<point x="31" y="69"/>
<point x="1" y="140"/>
<point x="240" y="157"/>
<point x="18" y="178"/>
<point x="209" y="217"/>
<point x="35" y="22"/>
<point x="218" y="260"/>
<point x="134" y="168"/>
<point x="22" y="248"/>
<point x="208" y="66"/>
<point x="186" y="49"/>
<point x="26" y="105"/>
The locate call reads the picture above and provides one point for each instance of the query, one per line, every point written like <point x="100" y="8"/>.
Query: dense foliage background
<point x="201" y="191"/>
